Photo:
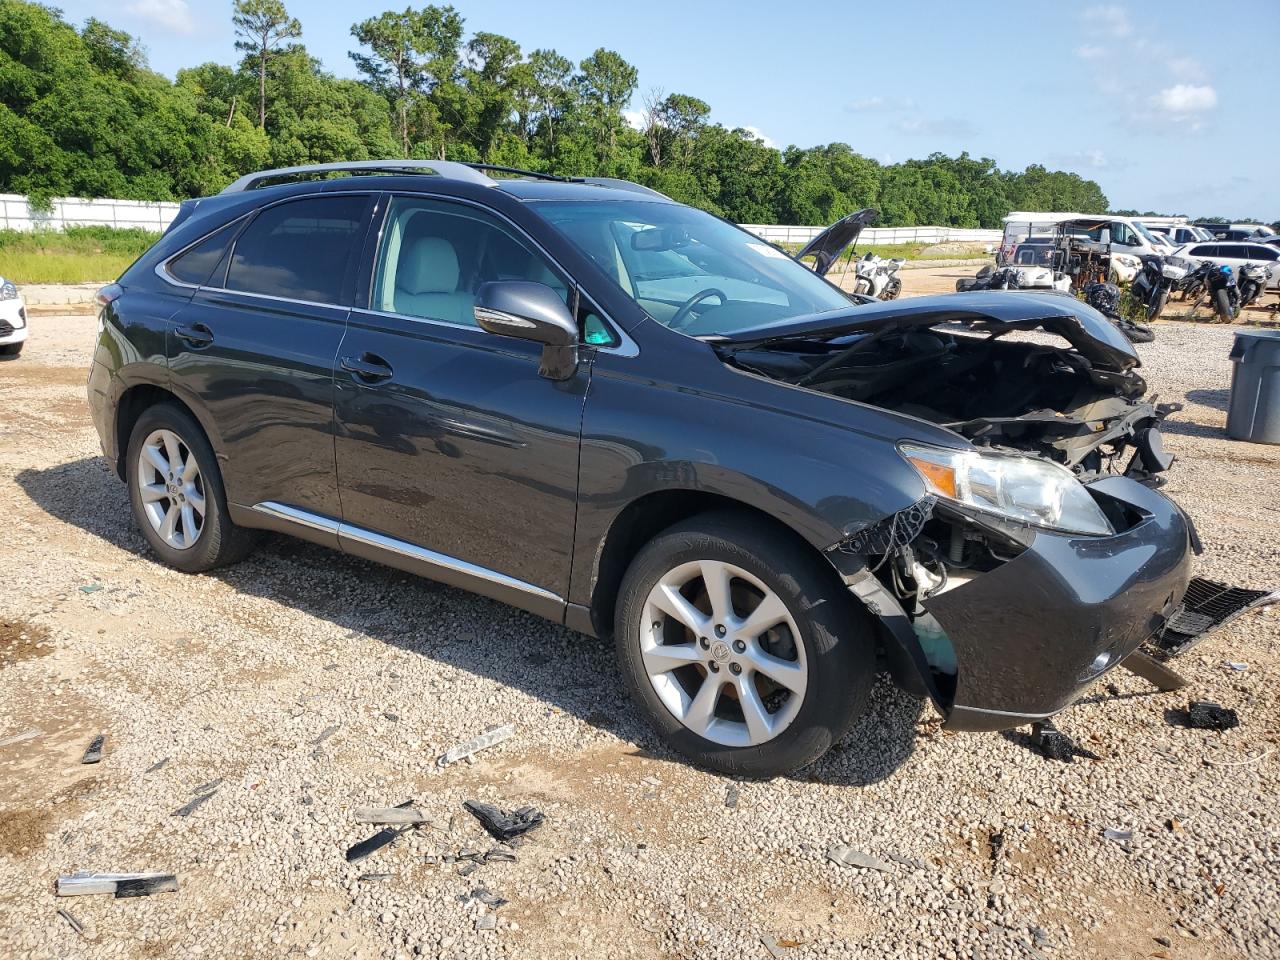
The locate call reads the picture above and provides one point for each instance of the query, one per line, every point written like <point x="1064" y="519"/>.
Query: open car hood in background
<point x="1095" y="337"/>
<point x="827" y="246"/>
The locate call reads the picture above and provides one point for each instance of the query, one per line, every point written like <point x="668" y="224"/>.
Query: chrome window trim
<point x="626" y="346"/>
<point x="430" y="558"/>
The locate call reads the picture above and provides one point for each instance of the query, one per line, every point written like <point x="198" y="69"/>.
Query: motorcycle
<point x="1219" y="282"/>
<point x="878" y="277"/>
<point x="1253" y="280"/>
<point x="1157" y="278"/>
<point x="1105" y="298"/>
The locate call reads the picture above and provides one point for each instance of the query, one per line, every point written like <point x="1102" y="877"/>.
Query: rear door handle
<point x="198" y="335"/>
<point x="368" y="368"/>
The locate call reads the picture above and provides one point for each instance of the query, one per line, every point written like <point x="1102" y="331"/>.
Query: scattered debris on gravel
<point x="276" y="677"/>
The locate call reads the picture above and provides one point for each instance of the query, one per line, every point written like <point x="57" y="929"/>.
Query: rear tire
<point x="1157" y="307"/>
<point x="732" y="726"/>
<point x="184" y="520"/>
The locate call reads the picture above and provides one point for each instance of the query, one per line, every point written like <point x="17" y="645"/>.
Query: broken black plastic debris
<point x="364" y="848"/>
<point x="1207" y="715"/>
<point x="501" y="824"/>
<point x="146" y="886"/>
<point x="191" y="806"/>
<point x="1056" y="745"/>
<point x="94" y="752"/>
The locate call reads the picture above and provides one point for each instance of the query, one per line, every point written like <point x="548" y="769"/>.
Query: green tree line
<point x="81" y="114"/>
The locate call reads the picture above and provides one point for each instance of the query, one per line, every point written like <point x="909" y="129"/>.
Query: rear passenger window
<point x="1205" y="250"/>
<point x="300" y="250"/>
<point x="197" y="263"/>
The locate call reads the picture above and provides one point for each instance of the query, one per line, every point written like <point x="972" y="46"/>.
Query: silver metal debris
<point x="491" y="737"/>
<point x="849" y="857"/>
<point x="1117" y="834"/>
<point x="384" y="815"/>
<point x="87" y="882"/>
<point x="20" y="737"/>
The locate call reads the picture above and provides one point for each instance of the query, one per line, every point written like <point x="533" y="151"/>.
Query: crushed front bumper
<point x="1029" y="635"/>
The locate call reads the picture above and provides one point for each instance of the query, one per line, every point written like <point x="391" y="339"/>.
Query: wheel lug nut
<point x="739" y="646"/>
<point x="720" y="631"/>
<point x="735" y="668"/>
<point x="715" y="667"/>
<point x="704" y="643"/>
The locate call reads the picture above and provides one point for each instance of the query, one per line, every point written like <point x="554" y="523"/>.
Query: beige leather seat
<point x="427" y="283"/>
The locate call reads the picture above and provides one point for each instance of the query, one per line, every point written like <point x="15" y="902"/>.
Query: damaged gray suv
<point x="633" y="418"/>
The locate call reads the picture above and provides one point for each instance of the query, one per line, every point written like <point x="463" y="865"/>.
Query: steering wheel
<point x="680" y="320"/>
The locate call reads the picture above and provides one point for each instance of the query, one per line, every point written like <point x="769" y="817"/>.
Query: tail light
<point x="108" y="295"/>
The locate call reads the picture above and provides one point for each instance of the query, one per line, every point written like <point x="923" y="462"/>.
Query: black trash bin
<point x="1254" y="411"/>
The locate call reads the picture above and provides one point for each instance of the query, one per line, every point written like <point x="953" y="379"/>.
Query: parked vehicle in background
<point x="874" y="276"/>
<point x="1158" y="278"/>
<point x="1235" y="231"/>
<point x="1124" y="237"/>
<point x="1217" y="283"/>
<point x="1252" y="281"/>
<point x="1180" y="234"/>
<point x="13" y="319"/>
<point x="1236" y="255"/>
<point x="759" y="485"/>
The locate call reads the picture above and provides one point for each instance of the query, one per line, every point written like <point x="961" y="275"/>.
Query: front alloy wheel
<point x="171" y="489"/>
<point x="720" y="650"/>
<point x="740" y="644"/>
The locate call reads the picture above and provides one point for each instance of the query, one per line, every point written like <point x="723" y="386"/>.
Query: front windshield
<point x="1142" y="229"/>
<point x="689" y="270"/>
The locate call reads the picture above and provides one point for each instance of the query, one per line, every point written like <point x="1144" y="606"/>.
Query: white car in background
<point x="13" y="319"/>
<point x="1235" y="254"/>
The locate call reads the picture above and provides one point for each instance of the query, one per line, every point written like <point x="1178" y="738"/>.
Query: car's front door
<point x="455" y="458"/>
<point x="253" y="351"/>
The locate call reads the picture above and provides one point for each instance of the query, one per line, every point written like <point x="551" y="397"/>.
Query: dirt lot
<point x="301" y="684"/>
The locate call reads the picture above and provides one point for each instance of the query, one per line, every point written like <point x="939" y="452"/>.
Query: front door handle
<point x="198" y="335"/>
<point x="368" y="368"/>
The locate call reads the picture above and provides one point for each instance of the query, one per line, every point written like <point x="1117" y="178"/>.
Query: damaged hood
<point x="1092" y="335"/>
<point x="827" y="246"/>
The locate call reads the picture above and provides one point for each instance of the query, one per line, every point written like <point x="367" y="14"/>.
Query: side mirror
<point x="531" y="311"/>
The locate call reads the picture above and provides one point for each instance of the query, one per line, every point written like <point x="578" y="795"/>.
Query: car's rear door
<point x="253" y="352"/>
<point x="455" y="458"/>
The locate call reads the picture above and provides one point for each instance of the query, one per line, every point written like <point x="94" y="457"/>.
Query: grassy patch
<point x="77" y="255"/>
<point x="908" y="251"/>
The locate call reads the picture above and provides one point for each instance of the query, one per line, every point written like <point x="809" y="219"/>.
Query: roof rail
<point x="444" y="168"/>
<point x="493" y="168"/>
<point x="627" y="185"/>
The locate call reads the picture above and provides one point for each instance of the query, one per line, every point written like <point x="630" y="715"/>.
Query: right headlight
<point x="1019" y="488"/>
<point x="8" y="291"/>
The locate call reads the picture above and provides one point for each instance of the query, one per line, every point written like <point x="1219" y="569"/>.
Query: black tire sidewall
<point x="836" y="633"/>
<point x="208" y="550"/>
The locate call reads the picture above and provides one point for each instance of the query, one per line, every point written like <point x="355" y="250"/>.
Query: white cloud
<point x="1186" y="68"/>
<point x="1186" y="98"/>
<point x="1091" y="159"/>
<point x="172" y="15"/>
<point x="1110" y="19"/>
<point x="1090" y="52"/>
<point x="952" y="127"/>
<point x="868" y="103"/>
<point x="635" y="118"/>
<point x="761" y="136"/>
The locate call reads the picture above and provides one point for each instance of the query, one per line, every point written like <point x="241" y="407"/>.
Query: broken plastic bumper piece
<point x="1208" y="606"/>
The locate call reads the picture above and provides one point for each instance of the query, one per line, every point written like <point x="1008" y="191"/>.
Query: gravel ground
<point x="308" y="684"/>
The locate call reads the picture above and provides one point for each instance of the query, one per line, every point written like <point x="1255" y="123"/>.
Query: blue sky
<point x="1169" y="106"/>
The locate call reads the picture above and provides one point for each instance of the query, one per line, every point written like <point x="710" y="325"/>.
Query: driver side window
<point x="434" y="255"/>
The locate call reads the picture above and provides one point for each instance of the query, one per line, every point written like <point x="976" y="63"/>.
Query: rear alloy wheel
<point x="175" y="489"/>
<point x="171" y="489"/>
<point x="743" y="649"/>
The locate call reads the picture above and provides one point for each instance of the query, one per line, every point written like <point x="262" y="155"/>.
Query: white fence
<point x="778" y="234"/>
<point x="16" y="214"/>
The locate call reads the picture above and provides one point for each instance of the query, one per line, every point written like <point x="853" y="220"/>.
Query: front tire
<point x="742" y="650"/>
<point x="12" y="349"/>
<point x="1222" y="306"/>
<point x="176" y="492"/>
<point x="1158" y="305"/>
